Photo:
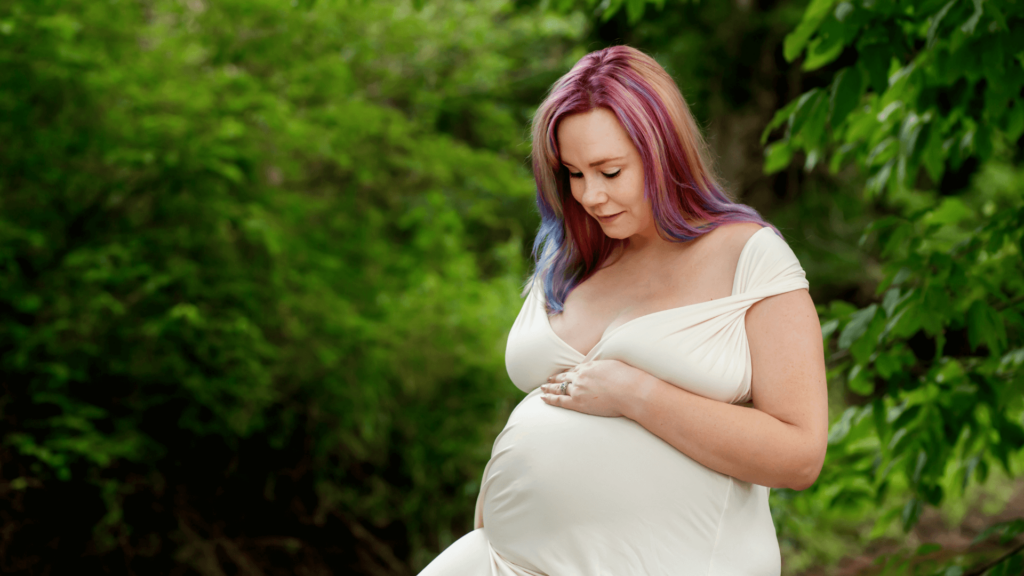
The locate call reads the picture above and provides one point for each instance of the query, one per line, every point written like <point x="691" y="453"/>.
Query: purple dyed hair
<point x="678" y="180"/>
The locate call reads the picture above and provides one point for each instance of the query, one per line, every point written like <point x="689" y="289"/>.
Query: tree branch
<point x="989" y="565"/>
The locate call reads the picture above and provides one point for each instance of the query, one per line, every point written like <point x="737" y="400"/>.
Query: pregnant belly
<point x="567" y="492"/>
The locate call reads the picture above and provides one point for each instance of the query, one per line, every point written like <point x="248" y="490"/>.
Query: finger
<point x="557" y="374"/>
<point x="560" y="400"/>
<point x="572" y="379"/>
<point x="555" y="388"/>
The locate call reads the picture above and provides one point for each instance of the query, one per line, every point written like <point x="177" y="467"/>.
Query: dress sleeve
<point x="767" y="267"/>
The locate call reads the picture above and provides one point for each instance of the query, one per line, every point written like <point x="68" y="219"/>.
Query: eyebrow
<point x="603" y="161"/>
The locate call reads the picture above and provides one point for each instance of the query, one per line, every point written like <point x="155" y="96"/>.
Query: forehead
<point x="592" y="135"/>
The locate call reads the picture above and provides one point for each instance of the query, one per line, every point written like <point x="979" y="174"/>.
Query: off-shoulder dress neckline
<point x="657" y="313"/>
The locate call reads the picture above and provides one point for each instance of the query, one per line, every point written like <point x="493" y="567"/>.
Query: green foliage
<point x="928" y="100"/>
<point x="945" y="389"/>
<point x="241" y="247"/>
<point x="932" y="84"/>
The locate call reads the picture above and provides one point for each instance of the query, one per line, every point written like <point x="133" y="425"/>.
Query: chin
<point x="616" y="233"/>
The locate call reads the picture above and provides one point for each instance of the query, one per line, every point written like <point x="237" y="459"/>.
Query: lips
<point x="606" y="219"/>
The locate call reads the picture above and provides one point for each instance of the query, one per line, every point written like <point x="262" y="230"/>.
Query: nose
<point x="595" y="192"/>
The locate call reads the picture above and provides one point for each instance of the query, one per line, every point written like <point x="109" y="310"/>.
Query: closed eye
<point x="606" y="174"/>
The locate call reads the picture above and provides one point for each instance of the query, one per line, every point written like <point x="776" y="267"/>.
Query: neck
<point x="648" y="243"/>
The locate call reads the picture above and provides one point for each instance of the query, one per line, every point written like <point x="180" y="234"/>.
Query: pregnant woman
<point x="671" y="352"/>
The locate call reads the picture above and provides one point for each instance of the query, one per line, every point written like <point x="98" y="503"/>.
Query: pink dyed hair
<point x="678" y="180"/>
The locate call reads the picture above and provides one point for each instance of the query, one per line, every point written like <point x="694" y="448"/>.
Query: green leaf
<point x="919" y="465"/>
<point x="983" y="141"/>
<point x="863" y="347"/>
<point x="828" y="328"/>
<point x="778" y="155"/>
<point x="813" y="156"/>
<point x="910" y="131"/>
<point x="841" y="429"/>
<point x="847" y="90"/>
<point x="906" y="417"/>
<point x="228" y="170"/>
<point x="972" y="22"/>
<point x="933" y="157"/>
<point x="861" y="381"/>
<point x="857" y="326"/>
<point x="1015" y="121"/>
<point x="985" y="326"/>
<point x="1007" y="531"/>
<point x="882" y="152"/>
<point x="936" y="21"/>
<point x="779" y="118"/>
<point x="813" y="15"/>
<point x="911" y="513"/>
<point x="610" y="9"/>
<point x="887" y="365"/>
<point x="889" y="302"/>
<point x="841" y="309"/>
<point x="875" y="58"/>
<point x="832" y="38"/>
<point x="879" y="415"/>
<point x="823" y="49"/>
<point x="906" y="323"/>
<point x="809" y="118"/>
<point x="950" y="211"/>
<point x="876" y="184"/>
<point x="843" y="11"/>
<point x="635" y="10"/>
<point x="61" y="24"/>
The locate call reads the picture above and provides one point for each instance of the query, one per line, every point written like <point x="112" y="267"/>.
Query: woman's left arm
<point x="779" y="443"/>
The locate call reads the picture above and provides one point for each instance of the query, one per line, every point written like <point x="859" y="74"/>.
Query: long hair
<point x="678" y="180"/>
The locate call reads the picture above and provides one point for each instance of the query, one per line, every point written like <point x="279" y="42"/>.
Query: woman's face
<point x="606" y="173"/>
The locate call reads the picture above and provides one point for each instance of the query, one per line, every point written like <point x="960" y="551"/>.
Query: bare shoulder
<point x="731" y="238"/>
<point x="715" y="257"/>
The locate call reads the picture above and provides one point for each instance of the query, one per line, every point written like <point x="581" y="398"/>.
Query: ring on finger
<point x="565" y="384"/>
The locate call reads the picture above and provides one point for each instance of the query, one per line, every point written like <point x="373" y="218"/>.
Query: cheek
<point x="575" y="188"/>
<point x="633" y="188"/>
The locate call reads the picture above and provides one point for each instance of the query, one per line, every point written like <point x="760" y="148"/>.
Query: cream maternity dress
<point x="569" y="494"/>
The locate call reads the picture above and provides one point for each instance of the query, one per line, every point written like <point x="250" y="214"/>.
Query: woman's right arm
<point x="781" y="441"/>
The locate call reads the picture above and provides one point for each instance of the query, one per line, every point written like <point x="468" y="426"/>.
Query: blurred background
<point x="259" y="258"/>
